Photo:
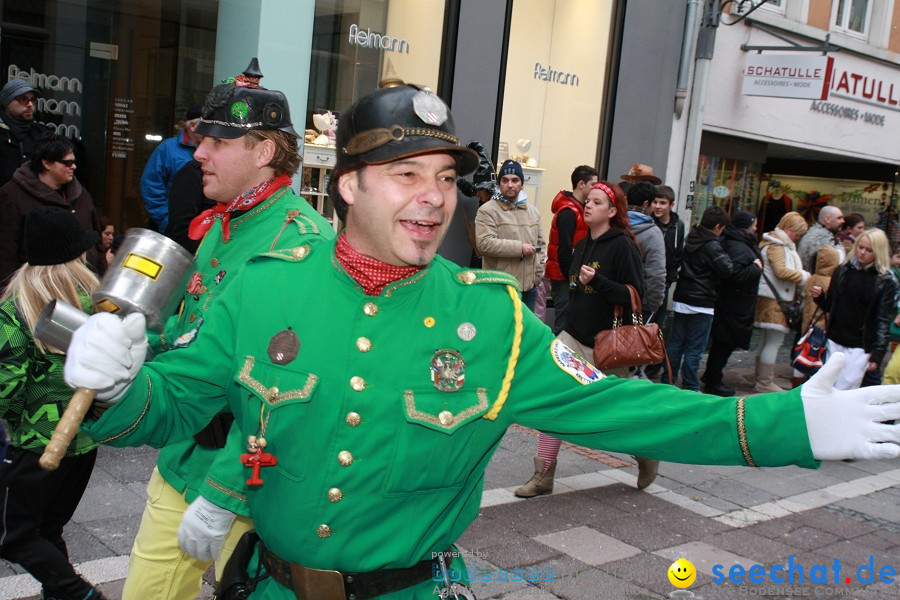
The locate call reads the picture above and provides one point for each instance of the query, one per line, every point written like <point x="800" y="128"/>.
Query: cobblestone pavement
<point x="597" y="536"/>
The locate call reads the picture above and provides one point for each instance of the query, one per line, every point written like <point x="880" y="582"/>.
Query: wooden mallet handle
<point x="67" y="428"/>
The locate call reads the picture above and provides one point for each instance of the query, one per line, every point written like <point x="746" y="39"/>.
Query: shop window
<point x="727" y="182"/>
<point x="852" y="16"/>
<point x="356" y="45"/>
<point x="553" y="93"/>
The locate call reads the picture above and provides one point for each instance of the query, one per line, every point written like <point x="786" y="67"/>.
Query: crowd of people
<point x="399" y="370"/>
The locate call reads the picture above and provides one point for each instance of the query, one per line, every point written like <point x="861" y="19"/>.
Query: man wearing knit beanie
<point x="508" y="233"/>
<point x="18" y="131"/>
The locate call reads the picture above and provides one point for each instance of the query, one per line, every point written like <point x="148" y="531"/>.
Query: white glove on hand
<point x="203" y="529"/>
<point x="106" y="353"/>
<point x="848" y="423"/>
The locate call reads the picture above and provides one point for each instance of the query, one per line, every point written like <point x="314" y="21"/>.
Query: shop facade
<point x="836" y="148"/>
<point x="537" y="80"/>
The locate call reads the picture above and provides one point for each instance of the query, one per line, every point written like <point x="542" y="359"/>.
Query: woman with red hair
<point x="604" y="263"/>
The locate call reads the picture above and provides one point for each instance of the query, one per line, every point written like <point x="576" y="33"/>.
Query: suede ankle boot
<point x="765" y="380"/>
<point x="541" y="482"/>
<point x="749" y="379"/>
<point x="647" y="470"/>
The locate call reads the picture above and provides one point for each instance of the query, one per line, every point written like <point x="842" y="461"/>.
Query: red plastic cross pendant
<point x="257" y="461"/>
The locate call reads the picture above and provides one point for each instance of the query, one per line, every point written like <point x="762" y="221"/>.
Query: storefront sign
<point x="378" y="41"/>
<point x="855" y="84"/>
<point x="786" y="76"/>
<point x="846" y="112"/>
<point x="551" y="74"/>
<point x="122" y="142"/>
<point x="48" y="105"/>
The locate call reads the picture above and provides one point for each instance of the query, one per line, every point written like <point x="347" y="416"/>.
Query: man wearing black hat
<point x="18" y="131"/>
<point x="372" y="381"/>
<point x="508" y="234"/>
<point x="247" y="154"/>
<point x="166" y="160"/>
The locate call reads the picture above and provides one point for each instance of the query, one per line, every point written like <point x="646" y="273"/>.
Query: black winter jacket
<point x="704" y="265"/>
<point x="673" y="234"/>
<point x="13" y="151"/>
<point x="617" y="261"/>
<point x="736" y="304"/>
<point x="846" y="320"/>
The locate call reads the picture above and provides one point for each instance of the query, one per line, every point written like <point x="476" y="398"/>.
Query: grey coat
<point x="653" y="255"/>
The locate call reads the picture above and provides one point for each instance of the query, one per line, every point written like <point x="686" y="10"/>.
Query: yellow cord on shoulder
<point x="513" y="354"/>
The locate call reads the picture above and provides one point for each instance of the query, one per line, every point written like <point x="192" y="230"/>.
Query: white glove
<point x="106" y="353"/>
<point x="203" y="529"/>
<point x="849" y="423"/>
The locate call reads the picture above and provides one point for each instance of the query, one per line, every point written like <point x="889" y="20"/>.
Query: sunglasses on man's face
<point x="69" y="162"/>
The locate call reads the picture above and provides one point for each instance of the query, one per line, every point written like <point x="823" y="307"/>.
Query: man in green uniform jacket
<point x="248" y="152"/>
<point x="372" y="381"/>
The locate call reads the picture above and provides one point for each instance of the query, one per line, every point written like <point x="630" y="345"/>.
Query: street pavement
<point x="597" y="536"/>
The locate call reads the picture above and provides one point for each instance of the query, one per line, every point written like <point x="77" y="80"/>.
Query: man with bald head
<point x="821" y="234"/>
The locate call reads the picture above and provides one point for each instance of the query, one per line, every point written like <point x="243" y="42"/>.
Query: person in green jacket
<point x="36" y="504"/>
<point x="371" y="381"/>
<point x="247" y="153"/>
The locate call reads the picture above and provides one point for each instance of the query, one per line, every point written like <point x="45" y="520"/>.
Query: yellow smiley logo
<point x="682" y="573"/>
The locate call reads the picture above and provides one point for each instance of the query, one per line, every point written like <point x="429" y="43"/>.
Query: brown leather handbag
<point x="629" y="345"/>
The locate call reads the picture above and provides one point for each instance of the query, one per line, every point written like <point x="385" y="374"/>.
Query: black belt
<point x="316" y="584"/>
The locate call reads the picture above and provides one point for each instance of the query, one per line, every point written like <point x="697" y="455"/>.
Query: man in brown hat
<point x="247" y="156"/>
<point x="366" y="440"/>
<point x="639" y="172"/>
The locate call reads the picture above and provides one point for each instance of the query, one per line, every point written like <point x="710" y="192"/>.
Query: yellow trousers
<point x="158" y="569"/>
<point x="892" y="370"/>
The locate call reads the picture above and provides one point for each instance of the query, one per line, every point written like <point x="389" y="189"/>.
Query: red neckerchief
<point x="204" y="221"/>
<point x="373" y="275"/>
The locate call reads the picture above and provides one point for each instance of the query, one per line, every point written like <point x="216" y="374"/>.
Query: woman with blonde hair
<point x="782" y="275"/>
<point x="860" y="303"/>
<point x="36" y="504"/>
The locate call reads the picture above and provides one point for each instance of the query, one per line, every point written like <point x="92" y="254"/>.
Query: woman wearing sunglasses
<point x="47" y="179"/>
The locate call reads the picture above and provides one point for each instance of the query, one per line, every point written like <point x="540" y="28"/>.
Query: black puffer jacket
<point x="860" y="303"/>
<point x="704" y="265"/>
<point x="673" y="234"/>
<point x="735" y="307"/>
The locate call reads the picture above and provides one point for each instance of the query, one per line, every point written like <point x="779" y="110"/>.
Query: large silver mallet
<point x="55" y="327"/>
<point x="148" y="276"/>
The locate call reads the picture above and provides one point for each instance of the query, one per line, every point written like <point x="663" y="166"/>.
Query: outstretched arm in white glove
<point x="106" y="353"/>
<point x="203" y="529"/>
<point x="850" y="423"/>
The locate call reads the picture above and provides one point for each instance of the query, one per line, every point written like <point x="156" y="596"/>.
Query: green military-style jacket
<point x="33" y="394"/>
<point x="383" y="411"/>
<point x="280" y="221"/>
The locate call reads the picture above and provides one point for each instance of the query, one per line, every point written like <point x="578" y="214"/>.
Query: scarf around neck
<point x="372" y="274"/>
<point x="204" y="221"/>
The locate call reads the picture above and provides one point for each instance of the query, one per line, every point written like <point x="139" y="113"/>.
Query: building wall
<point x="645" y="94"/>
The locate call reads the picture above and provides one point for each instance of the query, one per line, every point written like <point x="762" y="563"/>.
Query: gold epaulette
<point x="473" y="276"/>
<point x="305" y="225"/>
<point x="296" y="254"/>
